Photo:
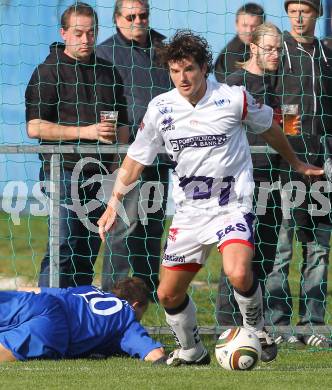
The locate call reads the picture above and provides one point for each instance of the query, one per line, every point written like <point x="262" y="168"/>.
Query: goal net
<point x="30" y="194"/>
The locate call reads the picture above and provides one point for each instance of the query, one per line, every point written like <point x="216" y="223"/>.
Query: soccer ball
<point x="238" y="349"/>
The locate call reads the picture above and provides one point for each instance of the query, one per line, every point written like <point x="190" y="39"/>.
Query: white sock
<point x="251" y="309"/>
<point x="184" y="328"/>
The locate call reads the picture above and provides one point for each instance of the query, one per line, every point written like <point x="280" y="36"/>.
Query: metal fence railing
<point x="54" y="207"/>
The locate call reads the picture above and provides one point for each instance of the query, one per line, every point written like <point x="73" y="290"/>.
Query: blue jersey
<point x="73" y="322"/>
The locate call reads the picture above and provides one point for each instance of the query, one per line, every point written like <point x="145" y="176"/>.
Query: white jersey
<point x="207" y="142"/>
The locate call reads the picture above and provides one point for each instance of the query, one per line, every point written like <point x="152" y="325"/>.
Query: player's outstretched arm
<point x="275" y="137"/>
<point x="129" y="172"/>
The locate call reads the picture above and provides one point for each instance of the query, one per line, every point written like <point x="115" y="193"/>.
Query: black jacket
<point x="143" y="78"/>
<point x="234" y="51"/>
<point x="64" y="91"/>
<point x="260" y="88"/>
<point x="305" y="78"/>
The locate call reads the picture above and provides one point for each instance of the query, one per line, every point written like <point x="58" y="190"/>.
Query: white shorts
<point x="191" y="236"/>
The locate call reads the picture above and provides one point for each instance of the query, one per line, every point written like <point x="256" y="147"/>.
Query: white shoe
<point x="175" y="360"/>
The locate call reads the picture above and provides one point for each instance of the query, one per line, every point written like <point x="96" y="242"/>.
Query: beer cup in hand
<point x="110" y="117"/>
<point x="290" y="119"/>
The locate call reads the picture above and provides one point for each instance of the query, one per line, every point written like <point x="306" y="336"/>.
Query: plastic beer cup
<point x="289" y="114"/>
<point x="111" y="117"/>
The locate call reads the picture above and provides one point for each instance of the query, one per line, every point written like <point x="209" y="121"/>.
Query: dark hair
<point x="251" y="9"/>
<point x="132" y="290"/>
<point x="184" y="45"/>
<point x="79" y="8"/>
<point x="119" y="5"/>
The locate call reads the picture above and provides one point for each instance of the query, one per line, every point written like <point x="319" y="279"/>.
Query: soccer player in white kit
<point x="203" y="124"/>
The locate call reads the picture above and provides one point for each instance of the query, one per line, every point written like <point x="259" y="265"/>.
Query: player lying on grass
<point x="202" y="124"/>
<point x="76" y="322"/>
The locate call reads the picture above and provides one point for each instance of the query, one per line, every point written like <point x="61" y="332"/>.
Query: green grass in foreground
<point x="300" y="369"/>
<point x="23" y="246"/>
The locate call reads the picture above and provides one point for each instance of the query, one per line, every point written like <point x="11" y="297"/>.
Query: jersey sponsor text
<point x="199" y="141"/>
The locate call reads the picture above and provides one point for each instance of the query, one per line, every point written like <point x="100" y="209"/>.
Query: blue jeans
<point x="313" y="278"/>
<point x="79" y="246"/>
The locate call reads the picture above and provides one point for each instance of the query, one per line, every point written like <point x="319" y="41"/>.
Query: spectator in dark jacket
<point x="63" y="102"/>
<point x="248" y="17"/>
<point x="305" y="79"/>
<point x="132" y="50"/>
<point x="255" y="75"/>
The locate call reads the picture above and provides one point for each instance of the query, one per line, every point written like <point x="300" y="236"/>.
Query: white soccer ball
<point x="238" y="349"/>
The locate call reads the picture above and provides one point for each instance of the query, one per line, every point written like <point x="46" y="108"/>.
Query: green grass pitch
<point x="22" y="248"/>
<point x="293" y="370"/>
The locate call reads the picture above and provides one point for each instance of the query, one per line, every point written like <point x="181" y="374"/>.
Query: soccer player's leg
<point x="237" y="250"/>
<point x="183" y="258"/>
<point x="247" y="291"/>
<point x="181" y="315"/>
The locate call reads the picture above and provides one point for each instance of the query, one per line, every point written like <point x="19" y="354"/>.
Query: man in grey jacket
<point x="131" y="50"/>
<point x="304" y="79"/>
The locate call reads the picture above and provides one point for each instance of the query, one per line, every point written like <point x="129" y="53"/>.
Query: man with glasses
<point x="132" y="50"/>
<point x="304" y="79"/>
<point x="255" y="75"/>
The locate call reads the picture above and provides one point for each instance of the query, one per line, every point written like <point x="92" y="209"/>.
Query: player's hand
<point x="308" y="169"/>
<point x="157" y="356"/>
<point x="106" y="222"/>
